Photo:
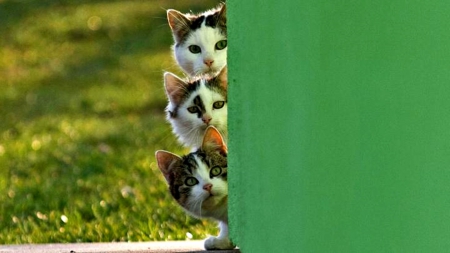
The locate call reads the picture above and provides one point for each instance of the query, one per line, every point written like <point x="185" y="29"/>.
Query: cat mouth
<point x="210" y="195"/>
<point x="209" y="71"/>
<point x="215" y="198"/>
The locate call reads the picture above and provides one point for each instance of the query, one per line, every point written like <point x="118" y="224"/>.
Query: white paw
<point x="214" y="243"/>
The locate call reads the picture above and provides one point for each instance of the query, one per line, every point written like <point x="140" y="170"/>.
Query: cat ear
<point x="223" y="15"/>
<point x="165" y="160"/>
<point x="214" y="140"/>
<point x="179" y="24"/>
<point x="174" y="87"/>
<point x="223" y="78"/>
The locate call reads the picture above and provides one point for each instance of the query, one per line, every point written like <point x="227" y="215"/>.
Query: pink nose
<point x="207" y="187"/>
<point x="208" y="62"/>
<point x="206" y="120"/>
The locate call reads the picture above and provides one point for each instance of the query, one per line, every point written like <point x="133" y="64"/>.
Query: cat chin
<point x="212" y="71"/>
<point x="212" y="207"/>
<point x="213" y="202"/>
<point x="218" y="211"/>
<point x="219" y="215"/>
<point x="202" y="71"/>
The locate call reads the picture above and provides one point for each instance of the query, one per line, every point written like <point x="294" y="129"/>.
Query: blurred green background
<point x="81" y="115"/>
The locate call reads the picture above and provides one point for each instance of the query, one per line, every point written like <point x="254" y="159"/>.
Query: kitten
<point x="200" y="40"/>
<point x="198" y="182"/>
<point x="195" y="105"/>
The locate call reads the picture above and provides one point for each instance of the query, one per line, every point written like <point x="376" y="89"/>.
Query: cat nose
<point x="208" y="62"/>
<point x="206" y="119"/>
<point x="207" y="187"/>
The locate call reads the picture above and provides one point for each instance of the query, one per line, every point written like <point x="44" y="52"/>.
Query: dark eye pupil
<point x="194" y="49"/>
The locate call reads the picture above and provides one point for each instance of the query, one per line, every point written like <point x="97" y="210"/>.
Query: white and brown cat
<point x="200" y="40"/>
<point x="198" y="182"/>
<point x="196" y="104"/>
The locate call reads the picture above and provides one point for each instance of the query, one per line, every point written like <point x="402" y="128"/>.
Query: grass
<point x="81" y="115"/>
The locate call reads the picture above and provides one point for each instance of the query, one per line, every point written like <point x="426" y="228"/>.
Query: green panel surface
<point x="339" y="125"/>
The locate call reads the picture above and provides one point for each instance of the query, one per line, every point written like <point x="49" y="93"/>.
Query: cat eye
<point x="191" y="181"/>
<point x="215" y="171"/>
<point x="195" y="49"/>
<point x="193" y="109"/>
<point x="221" y="44"/>
<point x="218" y="104"/>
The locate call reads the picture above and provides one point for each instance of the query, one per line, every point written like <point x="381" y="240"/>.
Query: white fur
<point x="188" y="127"/>
<point x="222" y="241"/>
<point x="206" y="38"/>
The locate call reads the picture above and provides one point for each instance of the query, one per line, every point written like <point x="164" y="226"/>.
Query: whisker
<point x="195" y="205"/>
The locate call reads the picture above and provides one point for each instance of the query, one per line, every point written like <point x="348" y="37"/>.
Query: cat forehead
<point x="196" y="163"/>
<point x="207" y="93"/>
<point x="202" y="169"/>
<point x="201" y="27"/>
<point x="204" y="36"/>
<point x="210" y="19"/>
<point x="186" y="166"/>
<point x="212" y="158"/>
<point x="206" y="89"/>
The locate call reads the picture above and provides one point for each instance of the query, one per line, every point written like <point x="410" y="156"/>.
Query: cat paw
<point x="216" y="243"/>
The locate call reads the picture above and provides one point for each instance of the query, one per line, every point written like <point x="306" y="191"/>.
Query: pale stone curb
<point x="121" y="247"/>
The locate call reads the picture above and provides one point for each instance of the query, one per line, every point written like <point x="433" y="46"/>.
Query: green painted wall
<point x="339" y="120"/>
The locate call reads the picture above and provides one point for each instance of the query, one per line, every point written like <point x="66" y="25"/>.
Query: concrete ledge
<point x="120" y="247"/>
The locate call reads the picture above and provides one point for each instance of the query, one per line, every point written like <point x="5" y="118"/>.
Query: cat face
<point x="198" y="181"/>
<point x="195" y="105"/>
<point x="200" y="41"/>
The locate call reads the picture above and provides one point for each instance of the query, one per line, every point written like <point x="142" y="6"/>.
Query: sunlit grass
<point x="81" y="115"/>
